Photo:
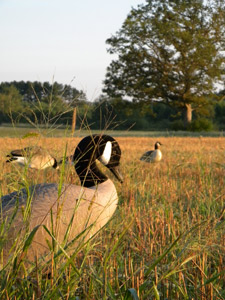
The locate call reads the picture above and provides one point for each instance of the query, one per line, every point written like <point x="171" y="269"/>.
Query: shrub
<point x="177" y="125"/>
<point x="201" y="124"/>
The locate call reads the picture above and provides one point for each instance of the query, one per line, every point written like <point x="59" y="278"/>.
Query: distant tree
<point x="10" y="101"/>
<point x="72" y="95"/>
<point x="117" y="113"/>
<point x="40" y="102"/>
<point x="38" y="91"/>
<point x="171" y="51"/>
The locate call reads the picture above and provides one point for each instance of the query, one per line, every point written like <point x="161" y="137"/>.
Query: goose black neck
<point x="55" y="165"/>
<point x="85" y="157"/>
<point x="89" y="174"/>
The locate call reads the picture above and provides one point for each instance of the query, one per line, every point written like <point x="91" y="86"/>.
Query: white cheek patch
<point x="106" y="155"/>
<point x="21" y="160"/>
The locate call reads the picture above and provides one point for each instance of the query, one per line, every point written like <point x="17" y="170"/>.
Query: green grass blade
<point x="116" y="244"/>
<point x="30" y="238"/>
<point x="156" y="292"/>
<point x="131" y="294"/>
<point x="161" y="257"/>
<point x="214" y="277"/>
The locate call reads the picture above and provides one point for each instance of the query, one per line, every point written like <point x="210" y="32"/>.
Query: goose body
<point x="34" y="157"/>
<point x="153" y="155"/>
<point x="85" y="208"/>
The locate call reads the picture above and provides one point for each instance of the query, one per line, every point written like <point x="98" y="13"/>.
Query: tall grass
<point x="165" y="241"/>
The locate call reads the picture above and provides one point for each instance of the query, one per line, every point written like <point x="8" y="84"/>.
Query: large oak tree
<point x="171" y="51"/>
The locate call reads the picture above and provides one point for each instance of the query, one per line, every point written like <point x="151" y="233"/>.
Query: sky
<point x="59" y="40"/>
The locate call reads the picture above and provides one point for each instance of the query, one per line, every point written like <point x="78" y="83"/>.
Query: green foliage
<point x="38" y="91"/>
<point x="10" y="103"/>
<point x="38" y="103"/>
<point x="120" y="114"/>
<point x="177" y="125"/>
<point x="219" y="117"/>
<point x="25" y="103"/>
<point x="169" y="51"/>
<point x="201" y="124"/>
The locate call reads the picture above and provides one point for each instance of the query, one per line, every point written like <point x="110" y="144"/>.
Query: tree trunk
<point x="188" y="114"/>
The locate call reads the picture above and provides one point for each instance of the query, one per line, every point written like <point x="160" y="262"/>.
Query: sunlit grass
<point x="165" y="241"/>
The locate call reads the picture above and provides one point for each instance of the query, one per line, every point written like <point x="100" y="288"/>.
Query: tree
<point x="10" y="102"/>
<point x="39" y="102"/>
<point x="171" y="51"/>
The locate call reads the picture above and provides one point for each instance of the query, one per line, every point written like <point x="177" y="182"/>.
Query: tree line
<point x="45" y="103"/>
<point x="168" y="72"/>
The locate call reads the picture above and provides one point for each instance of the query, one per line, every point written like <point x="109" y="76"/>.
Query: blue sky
<point x="59" y="40"/>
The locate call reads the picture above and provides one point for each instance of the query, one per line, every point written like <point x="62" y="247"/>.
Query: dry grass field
<point x="165" y="241"/>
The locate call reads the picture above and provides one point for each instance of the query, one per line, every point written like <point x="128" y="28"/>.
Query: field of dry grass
<point x="167" y="238"/>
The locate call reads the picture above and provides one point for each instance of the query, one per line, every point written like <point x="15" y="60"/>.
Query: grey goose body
<point x="152" y="155"/>
<point x="74" y="210"/>
<point x="35" y="157"/>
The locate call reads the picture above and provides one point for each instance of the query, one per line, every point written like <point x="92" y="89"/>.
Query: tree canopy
<point x="38" y="102"/>
<point x="171" y="51"/>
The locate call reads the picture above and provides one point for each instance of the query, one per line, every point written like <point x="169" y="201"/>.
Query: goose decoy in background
<point x="153" y="155"/>
<point x="34" y="157"/>
<point x="67" y="210"/>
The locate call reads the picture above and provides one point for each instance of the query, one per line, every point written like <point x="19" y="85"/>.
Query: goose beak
<point x="116" y="172"/>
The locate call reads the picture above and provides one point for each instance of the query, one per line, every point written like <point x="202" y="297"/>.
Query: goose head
<point x="157" y="145"/>
<point x="97" y="147"/>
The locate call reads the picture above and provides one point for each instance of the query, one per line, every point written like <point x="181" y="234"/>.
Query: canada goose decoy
<point x="153" y="155"/>
<point x="34" y="157"/>
<point x="74" y="209"/>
